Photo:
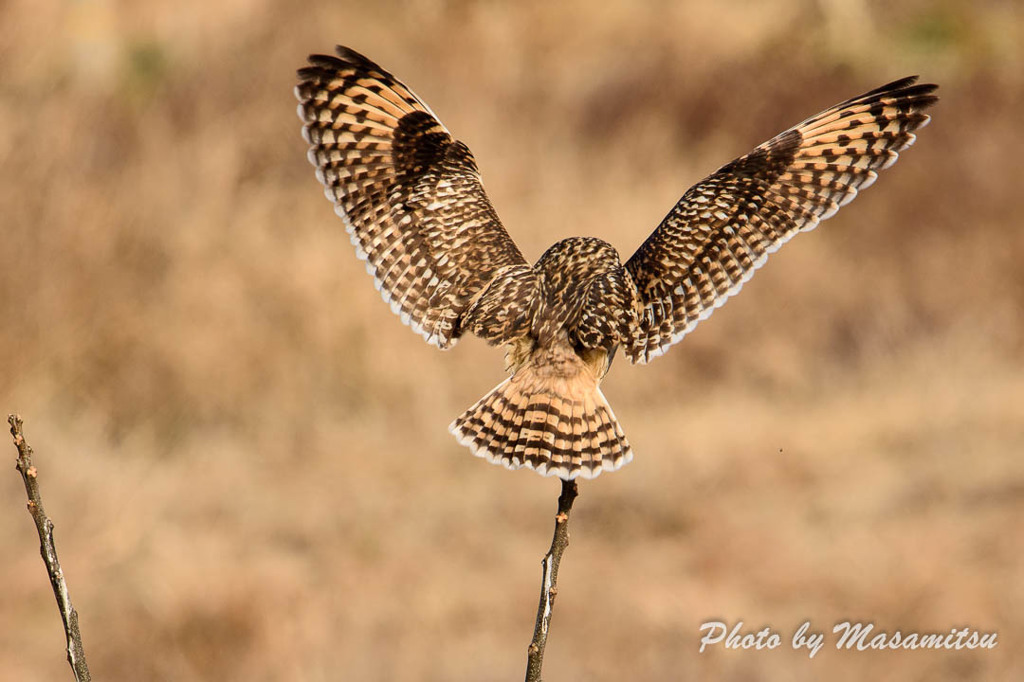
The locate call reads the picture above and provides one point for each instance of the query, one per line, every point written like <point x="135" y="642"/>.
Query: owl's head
<point x="577" y="260"/>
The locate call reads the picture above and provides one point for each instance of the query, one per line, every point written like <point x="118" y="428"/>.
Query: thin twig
<point x="76" y="654"/>
<point x="549" y="581"/>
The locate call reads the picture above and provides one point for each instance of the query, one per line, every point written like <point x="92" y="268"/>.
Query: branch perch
<point x="76" y="654"/>
<point x="549" y="581"/>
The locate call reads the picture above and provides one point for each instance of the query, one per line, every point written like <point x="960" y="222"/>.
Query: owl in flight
<point x="413" y="202"/>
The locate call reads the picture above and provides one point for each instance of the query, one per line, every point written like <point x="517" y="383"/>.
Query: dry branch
<point x="76" y="654"/>
<point x="549" y="581"/>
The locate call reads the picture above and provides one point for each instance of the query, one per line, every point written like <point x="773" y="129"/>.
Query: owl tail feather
<point x="557" y="426"/>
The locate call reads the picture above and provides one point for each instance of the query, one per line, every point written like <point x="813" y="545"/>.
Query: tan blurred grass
<point x="246" y="453"/>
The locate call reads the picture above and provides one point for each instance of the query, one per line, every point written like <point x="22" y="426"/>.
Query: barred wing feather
<point x="410" y="194"/>
<point x="725" y="226"/>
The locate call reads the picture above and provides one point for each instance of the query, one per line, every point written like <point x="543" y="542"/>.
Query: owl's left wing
<point x="725" y="226"/>
<point x="409" y="193"/>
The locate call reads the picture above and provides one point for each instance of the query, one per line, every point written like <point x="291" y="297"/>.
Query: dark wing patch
<point x="410" y="195"/>
<point x="504" y="310"/>
<point x="725" y="226"/>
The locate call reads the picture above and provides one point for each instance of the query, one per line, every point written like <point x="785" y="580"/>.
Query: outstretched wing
<point x="725" y="226"/>
<point x="409" y="193"/>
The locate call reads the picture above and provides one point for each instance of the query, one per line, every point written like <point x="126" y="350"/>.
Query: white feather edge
<point x="431" y="337"/>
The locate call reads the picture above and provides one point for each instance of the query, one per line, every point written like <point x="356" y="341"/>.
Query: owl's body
<point x="413" y="202"/>
<point x="550" y="414"/>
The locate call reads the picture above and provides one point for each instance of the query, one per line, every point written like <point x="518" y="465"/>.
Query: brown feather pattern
<point x="414" y="204"/>
<point x="725" y="226"/>
<point x="410" y="194"/>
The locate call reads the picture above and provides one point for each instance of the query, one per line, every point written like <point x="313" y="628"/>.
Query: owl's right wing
<point x="409" y="193"/>
<point x="725" y="226"/>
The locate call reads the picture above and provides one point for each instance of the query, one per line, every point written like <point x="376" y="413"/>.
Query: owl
<point x="412" y="200"/>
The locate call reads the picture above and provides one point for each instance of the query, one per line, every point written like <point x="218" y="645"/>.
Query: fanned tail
<point x="555" y="424"/>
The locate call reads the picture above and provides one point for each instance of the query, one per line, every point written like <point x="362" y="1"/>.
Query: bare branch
<point x="549" y="581"/>
<point x="76" y="654"/>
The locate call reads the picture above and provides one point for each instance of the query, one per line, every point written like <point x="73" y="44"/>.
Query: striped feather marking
<point x="556" y="425"/>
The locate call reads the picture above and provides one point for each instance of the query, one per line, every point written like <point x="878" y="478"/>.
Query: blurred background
<point x="246" y="453"/>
